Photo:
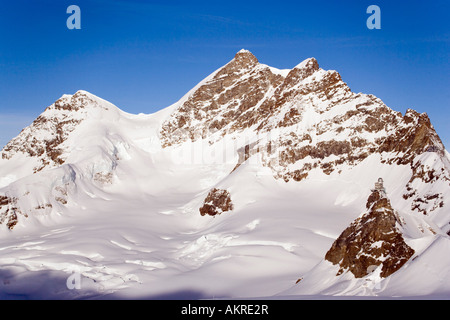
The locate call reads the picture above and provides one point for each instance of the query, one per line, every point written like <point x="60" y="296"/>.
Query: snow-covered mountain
<point x="254" y="184"/>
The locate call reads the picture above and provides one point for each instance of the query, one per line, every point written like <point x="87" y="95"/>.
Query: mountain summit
<point x="46" y="139"/>
<point x="253" y="174"/>
<point x="320" y="123"/>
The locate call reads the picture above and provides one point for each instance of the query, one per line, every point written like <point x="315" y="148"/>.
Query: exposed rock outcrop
<point x="9" y="212"/>
<point x="374" y="239"/>
<point x="303" y="119"/>
<point x="415" y="136"/>
<point x="217" y="202"/>
<point x="44" y="138"/>
<point x="291" y="121"/>
<point x="226" y="103"/>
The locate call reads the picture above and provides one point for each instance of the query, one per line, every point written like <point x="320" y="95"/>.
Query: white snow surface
<point x="131" y="228"/>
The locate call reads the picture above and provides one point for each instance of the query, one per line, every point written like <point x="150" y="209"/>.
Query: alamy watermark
<point x="73" y="282"/>
<point x="374" y="21"/>
<point x="262" y="148"/>
<point x="74" y="20"/>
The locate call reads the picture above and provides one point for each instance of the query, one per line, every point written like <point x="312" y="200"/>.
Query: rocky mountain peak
<point x="243" y="62"/>
<point x="319" y="122"/>
<point x="78" y="101"/>
<point x="302" y="71"/>
<point x="373" y="240"/>
<point x="309" y="65"/>
<point x="227" y="102"/>
<point x="414" y="136"/>
<point x="245" y="57"/>
<point x="44" y="138"/>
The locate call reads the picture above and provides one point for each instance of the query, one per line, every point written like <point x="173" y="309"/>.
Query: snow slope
<point x="117" y="206"/>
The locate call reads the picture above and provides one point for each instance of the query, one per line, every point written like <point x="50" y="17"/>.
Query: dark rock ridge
<point x="217" y="202"/>
<point x="321" y="123"/>
<point x="9" y="212"/>
<point x="372" y="240"/>
<point x="297" y="121"/>
<point x="226" y="103"/>
<point x="44" y="138"/>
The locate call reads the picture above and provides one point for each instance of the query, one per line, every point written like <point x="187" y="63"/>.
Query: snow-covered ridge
<point x="118" y="197"/>
<point x="52" y="137"/>
<point x="301" y="120"/>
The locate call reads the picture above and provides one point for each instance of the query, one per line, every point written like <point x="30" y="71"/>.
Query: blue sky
<point x="145" y="55"/>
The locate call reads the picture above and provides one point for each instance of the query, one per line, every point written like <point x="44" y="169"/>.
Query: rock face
<point x="372" y="240"/>
<point x="45" y="138"/>
<point x="47" y="151"/>
<point x="295" y="122"/>
<point x="306" y="119"/>
<point x="217" y="202"/>
<point x="227" y="103"/>
<point x="9" y="212"/>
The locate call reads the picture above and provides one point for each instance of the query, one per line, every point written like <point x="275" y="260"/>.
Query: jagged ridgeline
<point x="294" y="121"/>
<point x="308" y="119"/>
<point x="130" y="202"/>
